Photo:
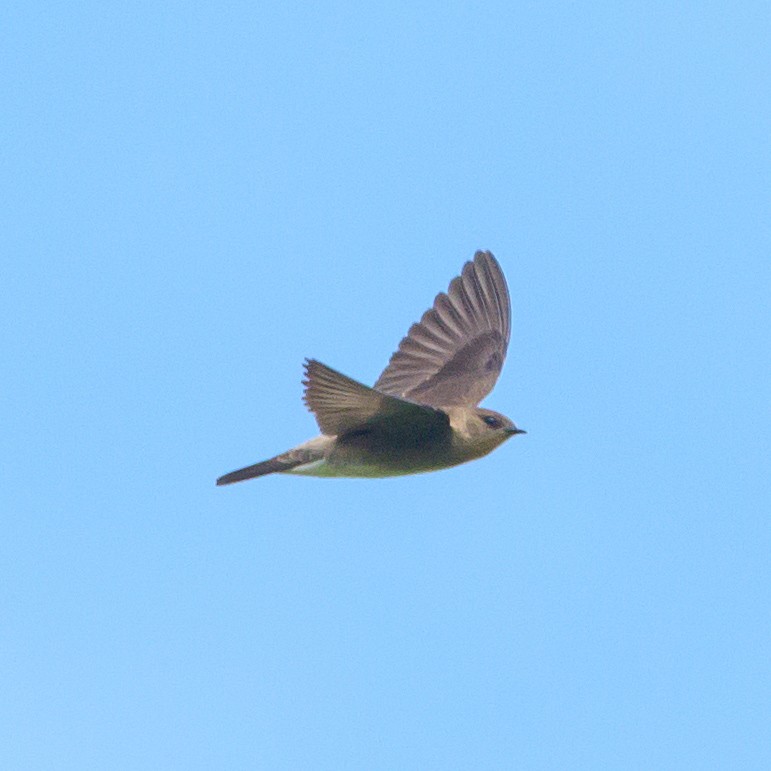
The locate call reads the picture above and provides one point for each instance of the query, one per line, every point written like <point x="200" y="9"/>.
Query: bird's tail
<point x="279" y="463"/>
<point x="309" y="452"/>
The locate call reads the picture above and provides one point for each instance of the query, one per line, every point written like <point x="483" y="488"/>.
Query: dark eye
<point x="491" y="421"/>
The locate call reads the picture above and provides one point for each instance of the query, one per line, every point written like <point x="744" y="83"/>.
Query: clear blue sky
<point x="197" y="196"/>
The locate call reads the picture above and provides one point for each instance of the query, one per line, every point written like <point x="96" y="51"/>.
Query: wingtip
<point x="309" y="365"/>
<point x="485" y="255"/>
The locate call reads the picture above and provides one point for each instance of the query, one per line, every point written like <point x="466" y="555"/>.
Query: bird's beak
<point x="513" y="431"/>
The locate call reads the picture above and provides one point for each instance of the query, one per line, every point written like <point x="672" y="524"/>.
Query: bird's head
<point x="479" y="430"/>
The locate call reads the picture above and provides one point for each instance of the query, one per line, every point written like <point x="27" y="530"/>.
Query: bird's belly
<point x="371" y="456"/>
<point x="323" y="468"/>
<point x="372" y="468"/>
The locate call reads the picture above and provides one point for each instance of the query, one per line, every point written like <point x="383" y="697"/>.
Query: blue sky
<point x="198" y="196"/>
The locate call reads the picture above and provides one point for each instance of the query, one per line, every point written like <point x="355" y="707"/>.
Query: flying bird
<point x="421" y="414"/>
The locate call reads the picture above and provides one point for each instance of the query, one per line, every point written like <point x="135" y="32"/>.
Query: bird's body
<point x="421" y="414"/>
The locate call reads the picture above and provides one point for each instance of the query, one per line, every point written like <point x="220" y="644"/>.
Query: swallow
<point x="421" y="415"/>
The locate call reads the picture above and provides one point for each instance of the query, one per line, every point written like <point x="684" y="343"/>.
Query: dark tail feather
<point x="259" y="469"/>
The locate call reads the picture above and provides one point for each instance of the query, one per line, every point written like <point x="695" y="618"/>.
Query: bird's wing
<point x="454" y="354"/>
<point x="342" y="406"/>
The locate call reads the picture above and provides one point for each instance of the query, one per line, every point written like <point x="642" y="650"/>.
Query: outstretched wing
<point x="343" y="406"/>
<point x="454" y="354"/>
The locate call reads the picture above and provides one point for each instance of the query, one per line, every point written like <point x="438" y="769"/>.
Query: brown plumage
<point x="422" y="413"/>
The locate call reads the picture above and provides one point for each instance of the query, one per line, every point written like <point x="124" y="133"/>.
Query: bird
<point x="422" y="414"/>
